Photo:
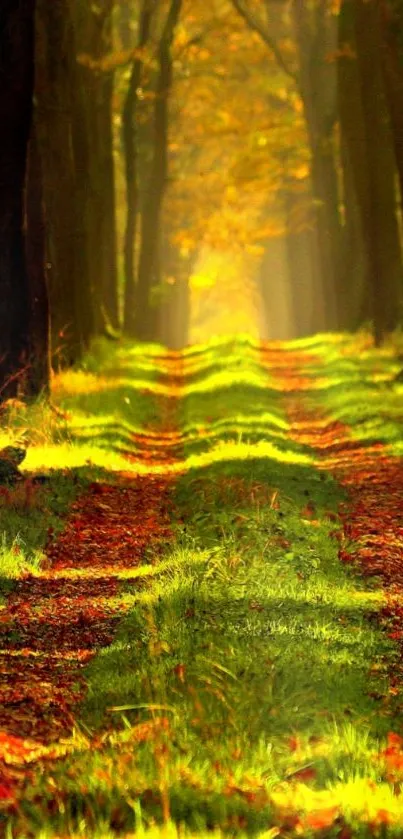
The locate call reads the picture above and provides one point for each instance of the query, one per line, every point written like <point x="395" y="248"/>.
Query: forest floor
<point x="201" y="606"/>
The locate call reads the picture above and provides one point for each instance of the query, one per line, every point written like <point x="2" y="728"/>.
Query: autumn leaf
<point x="383" y="816"/>
<point x="309" y="510"/>
<point x="294" y="743"/>
<point x="180" y="671"/>
<point x="320" y="819"/>
<point x="7" y="792"/>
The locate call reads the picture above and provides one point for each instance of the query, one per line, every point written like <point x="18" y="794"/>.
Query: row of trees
<point x="347" y="69"/>
<point x="138" y="134"/>
<point x="58" y="259"/>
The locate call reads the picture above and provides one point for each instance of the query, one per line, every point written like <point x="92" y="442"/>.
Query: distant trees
<point x="149" y="256"/>
<point x="143" y="234"/>
<point x="271" y="129"/>
<point x="130" y="136"/>
<point x="354" y="130"/>
<point x="314" y="32"/>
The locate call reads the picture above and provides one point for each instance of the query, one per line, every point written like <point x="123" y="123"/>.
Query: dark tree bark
<point x="391" y="20"/>
<point x="354" y="293"/>
<point x="125" y="19"/>
<point x="316" y="32"/>
<point x="69" y="286"/>
<point x="130" y="143"/>
<point x="16" y="89"/>
<point x="81" y="155"/>
<point x="38" y="377"/>
<point x="93" y="28"/>
<point x="369" y="159"/>
<point x="145" y="316"/>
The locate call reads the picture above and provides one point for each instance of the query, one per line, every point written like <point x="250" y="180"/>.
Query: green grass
<point x="26" y="521"/>
<point x="15" y="559"/>
<point x="81" y="436"/>
<point x="362" y="390"/>
<point x="247" y="681"/>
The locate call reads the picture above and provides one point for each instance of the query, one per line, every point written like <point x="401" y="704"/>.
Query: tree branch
<point x="257" y="26"/>
<point x="195" y="39"/>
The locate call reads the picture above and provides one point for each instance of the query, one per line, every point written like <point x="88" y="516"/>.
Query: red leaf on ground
<point x="319" y="819"/>
<point x="179" y="671"/>
<point x="6" y="791"/>
<point x="294" y="743"/>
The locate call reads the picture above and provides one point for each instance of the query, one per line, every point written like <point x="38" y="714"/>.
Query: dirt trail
<point x="55" y="622"/>
<point x="372" y="519"/>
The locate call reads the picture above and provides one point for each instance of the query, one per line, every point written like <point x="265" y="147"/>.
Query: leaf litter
<point x="53" y="623"/>
<point x="370" y="537"/>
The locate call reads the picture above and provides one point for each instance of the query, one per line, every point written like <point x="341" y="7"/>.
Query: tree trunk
<point x="124" y="24"/>
<point x="387" y="276"/>
<point x="174" y="310"/>
<point x="16" y="89"/>
<point x="151" y="211"/>
<point x="315" y="33"/>
<point x="66" y="246"/>
<point x="302" y="257"/>
<point x="39" y="325"/>
<point x="130" y="143"/>
<point x="82" y="164"/>
<point x="391" y="18"/>
<point x="354" y="294"/>
<point x="368" y="142"/>
<point x="355" y="288"/>
<point x="93" y="27"/>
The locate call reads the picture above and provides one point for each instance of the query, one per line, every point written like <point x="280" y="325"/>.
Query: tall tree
<point x="314" y="77"/>
<point x="16" y="89"/>
<point x="131" y="152"/>
<point x="316" y="37"/>
<point x="148" y="267"/>
<point x="369" y="158"/>
<point x="56" y="80"/>
<point x="94" y="41"/>
<point x="391" y="22"/>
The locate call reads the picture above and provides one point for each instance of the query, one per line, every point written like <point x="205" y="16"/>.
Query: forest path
<point x="371" y="518"/>
<point x="56" y="619"/>
<point x="246" y="678"/>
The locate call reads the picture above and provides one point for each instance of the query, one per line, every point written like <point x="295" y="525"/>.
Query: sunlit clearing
<point x="224" y="299"/>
